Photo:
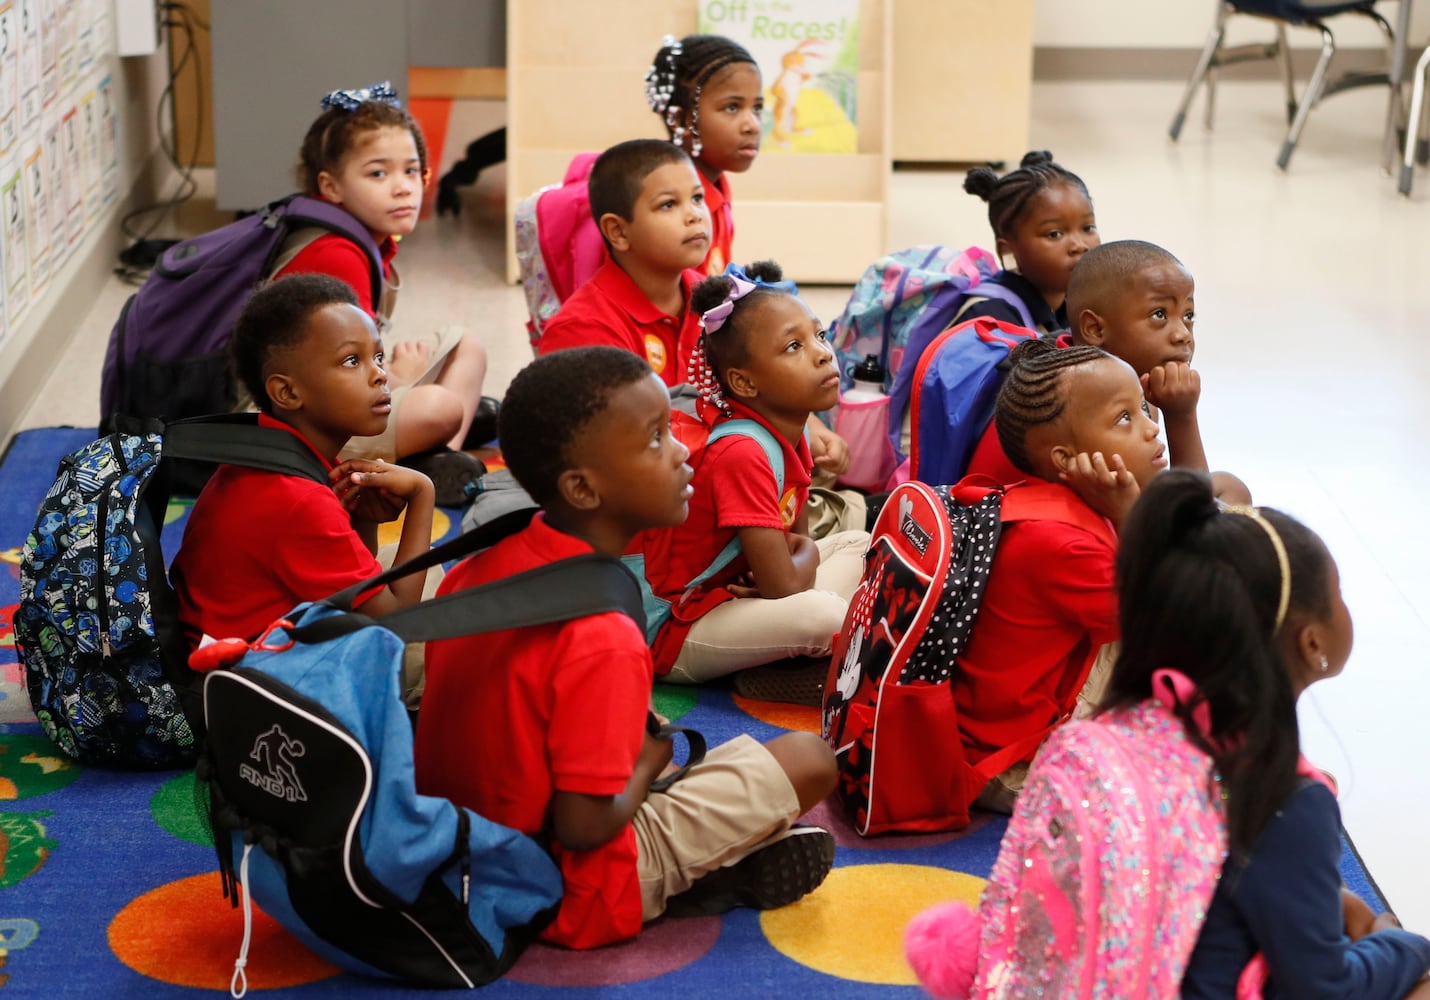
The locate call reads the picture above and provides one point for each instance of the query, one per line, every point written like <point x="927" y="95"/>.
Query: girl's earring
<point x="1325" y="664"/>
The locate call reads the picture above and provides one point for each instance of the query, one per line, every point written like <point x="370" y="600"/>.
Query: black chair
<point x="1282" y="12"/>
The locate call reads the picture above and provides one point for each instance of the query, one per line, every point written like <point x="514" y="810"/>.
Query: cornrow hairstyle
<point x="1102" y="275"/>
<point x="335" y="132"/>
<point x="274" y="319"/>
<point x="729" y="346"/>
<point x="550" y="401"/>
<point x="1008" y="196"/>
<point x="618" y="173"/>
<point x="1198" y="589"/>
<point x="1033" y="392"/>
<point x="679" y="73"/>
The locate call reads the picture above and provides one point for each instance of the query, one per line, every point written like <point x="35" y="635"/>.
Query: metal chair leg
<point x="1309" y="97"/>
<point x="1204" y="64"/>
<point x="1283" y="49"/>
<point x="1413" y="123"/>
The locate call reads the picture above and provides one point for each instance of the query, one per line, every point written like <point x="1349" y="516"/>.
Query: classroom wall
<point x="61" y="68"/>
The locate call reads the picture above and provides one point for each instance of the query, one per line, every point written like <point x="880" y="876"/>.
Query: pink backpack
<point x="558" y="246"/>
<point x="1104" y="875"/>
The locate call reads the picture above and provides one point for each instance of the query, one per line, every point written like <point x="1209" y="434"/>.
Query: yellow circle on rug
<point x="185" y="933"/>
<point x="390" y="532"/>
<point x="852" y="926"/>
<point x="799" y="718"/>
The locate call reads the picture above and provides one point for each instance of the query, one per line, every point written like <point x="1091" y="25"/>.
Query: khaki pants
<point x="731" y="802"/>
<point x="414" y="671"/>
<point x="747" y="632"/>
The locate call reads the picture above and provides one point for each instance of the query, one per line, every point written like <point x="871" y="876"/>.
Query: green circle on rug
<point x="176" y="807"/>
<point x="674" y="700"/>
<point x="31" y="766"/>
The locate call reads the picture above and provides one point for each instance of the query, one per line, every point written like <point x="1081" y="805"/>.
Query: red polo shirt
<point x="257" y="544"/>
<point x="1051" y="603"/>
<point x="509" y="718"/>
<point x="343" y="259"/>
<point x="734" y="488"/>
<point x="722" y="224"/>
<point x="989" y="459"/>
<point x="611" y="309"/>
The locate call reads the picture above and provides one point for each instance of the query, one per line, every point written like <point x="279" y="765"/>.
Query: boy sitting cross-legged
<point x="259" y="543"/>
<point x="563" y="707"/>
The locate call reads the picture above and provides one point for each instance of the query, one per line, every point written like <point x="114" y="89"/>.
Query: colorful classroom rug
<point x="108" y="884"/>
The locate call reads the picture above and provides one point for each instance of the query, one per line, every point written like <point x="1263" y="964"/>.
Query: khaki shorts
<point x="731" y="802"/>
<point x="414" y="671"/>
<point x="384" y="445"/>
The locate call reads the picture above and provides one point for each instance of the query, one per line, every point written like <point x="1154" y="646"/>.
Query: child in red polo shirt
<point x="259" y="543"/>
<point x="1075" y="424"/>
<point x="765" y="358"/>
<point x="366" y="154"/>
<point x="549" y="734"/>
<point x="649" y="204"/>
<point x="1135" y="301"/>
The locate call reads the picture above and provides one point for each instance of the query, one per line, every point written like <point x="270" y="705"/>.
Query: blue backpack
<point x="654" y="544"/>
<point x="168" y="353"/>
<point x="309" y="769"/>
<point x="106" y="661"/>
<point x="952" y="392"/>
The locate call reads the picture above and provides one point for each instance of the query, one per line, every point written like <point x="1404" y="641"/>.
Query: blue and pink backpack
<point x="558" y="246"/>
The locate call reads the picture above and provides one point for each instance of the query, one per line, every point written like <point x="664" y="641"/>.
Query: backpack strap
<point x="774" y="452"/>
<point x="236" y="439"/>
<point x="986" y="290"/>
<point x="300" y="210"/>
<point x="1035" y="500"/>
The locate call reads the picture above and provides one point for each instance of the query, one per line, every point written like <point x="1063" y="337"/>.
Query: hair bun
<point x="766" y="270"/>
<point x="1036" y="158"/>
<point x="709" y="293"/>
<point x="980" y="181"/>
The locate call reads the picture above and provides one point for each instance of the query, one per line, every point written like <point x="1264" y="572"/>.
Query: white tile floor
<point x="1311" y="343"/>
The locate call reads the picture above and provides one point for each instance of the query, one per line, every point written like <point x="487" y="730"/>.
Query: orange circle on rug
<point x="185" y="933"/>
<point x="801" y="718"/>
<point x="870" y="904"/>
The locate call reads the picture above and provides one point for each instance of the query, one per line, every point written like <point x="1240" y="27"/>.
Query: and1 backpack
<point x="309" y="767"/>
<point x="97" y="624"/>
<point x="558" y="246"/>
<point x="1108" y="866"/>
<point x="951" y="394"/>
<point x="168" y="353"/>
<point x="653" y="547"/>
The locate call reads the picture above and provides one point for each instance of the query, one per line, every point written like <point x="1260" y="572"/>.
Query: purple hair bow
<point x="741" y="284"/>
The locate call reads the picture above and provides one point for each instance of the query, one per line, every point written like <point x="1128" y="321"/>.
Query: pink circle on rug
<point x="662" y="947"/>
<point x="832" y="818"/>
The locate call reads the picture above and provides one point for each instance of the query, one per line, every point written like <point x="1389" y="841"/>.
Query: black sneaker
<point x="798" y="680"/>
<point x="787" y="867"/>
<point x="483" y="430"/>
<point x="450" y="472"/>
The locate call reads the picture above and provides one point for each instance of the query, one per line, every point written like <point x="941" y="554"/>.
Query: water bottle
<point x="868" y="381"/>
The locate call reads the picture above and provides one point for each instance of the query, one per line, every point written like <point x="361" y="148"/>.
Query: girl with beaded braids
<point x="366" y="154"/>
<point x="1042" y="216"/>
<point x="1246" y="604"/>
<point x="763" y="360"/>
<point x="1074" y="421"/>
<point x="709" y="94"/>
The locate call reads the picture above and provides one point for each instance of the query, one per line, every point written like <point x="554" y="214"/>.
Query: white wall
<point x="1183" y="24"/>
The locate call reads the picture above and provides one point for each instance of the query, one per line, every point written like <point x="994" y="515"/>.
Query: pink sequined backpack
<point x="1104" y="875"/>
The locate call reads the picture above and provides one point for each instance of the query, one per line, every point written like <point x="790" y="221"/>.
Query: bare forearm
<point x="1184" y="442"/>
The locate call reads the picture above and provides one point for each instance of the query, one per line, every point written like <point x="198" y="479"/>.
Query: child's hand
<point x="1360" y="921"/>
<point x="829" y="451"/>
<point x="375" y="490"/>
<point x="408" y="361"/>
<point x="1173" y="388"/>
<point x="744" y="586"/>
<point x="1105" y="484"/>
<point x="656" y="754"/>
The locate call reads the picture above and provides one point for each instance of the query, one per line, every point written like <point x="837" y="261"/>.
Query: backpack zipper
<point x="102" y="509"/>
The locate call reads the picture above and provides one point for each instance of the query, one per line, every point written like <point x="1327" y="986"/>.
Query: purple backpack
<point x="168" y="353"/>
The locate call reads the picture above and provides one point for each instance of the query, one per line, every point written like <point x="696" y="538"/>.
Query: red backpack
<point x="889" y="712"/>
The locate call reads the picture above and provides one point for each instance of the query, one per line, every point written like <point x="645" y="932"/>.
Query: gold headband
<point x="1281" y="558"/>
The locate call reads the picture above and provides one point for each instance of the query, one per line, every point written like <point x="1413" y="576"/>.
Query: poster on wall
<point x="37" y="219"/>
<point x="49" y="52"/>
<point x="808" y="54"/>
<point x="29" y="66"/>
<point x="72" y="151"/>
<point x="82" y="11"/>
<point x="89" y="153"/>
<point x="9" y="77"/>
<point x="54" y="164"/>
<point x="108" y="142"/>
<point x="65" y="40"/>
<point x="12" y="231"/>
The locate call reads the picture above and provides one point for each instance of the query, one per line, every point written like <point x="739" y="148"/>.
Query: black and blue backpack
<point x="309" y="768"/>
<point x="106" y="661"/>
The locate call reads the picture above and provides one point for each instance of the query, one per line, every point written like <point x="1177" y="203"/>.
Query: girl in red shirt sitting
<point x="763" y="359"/>
<point x="366" y="154"/>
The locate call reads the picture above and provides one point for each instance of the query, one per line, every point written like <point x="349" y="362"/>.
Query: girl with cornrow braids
<point x="1042" y="216"/>
<point x="1074" y="421"/>
<point x="709" y="94"/>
